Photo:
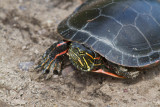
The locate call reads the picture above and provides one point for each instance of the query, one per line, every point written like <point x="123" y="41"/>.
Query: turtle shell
<point x="125" y="32"/>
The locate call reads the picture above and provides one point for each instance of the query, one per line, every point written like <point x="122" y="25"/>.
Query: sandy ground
<point x="27" y="29"/>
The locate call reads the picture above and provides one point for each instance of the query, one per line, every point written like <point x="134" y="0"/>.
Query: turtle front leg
<point x="54" y="57"/>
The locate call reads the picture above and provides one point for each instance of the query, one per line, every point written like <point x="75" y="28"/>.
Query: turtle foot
<point x="127" y="73"/>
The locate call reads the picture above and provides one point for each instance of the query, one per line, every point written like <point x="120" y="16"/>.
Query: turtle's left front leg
<point x="54" y="57"/>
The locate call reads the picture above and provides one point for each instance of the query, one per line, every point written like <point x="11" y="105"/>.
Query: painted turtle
<point x="109" y="37"/>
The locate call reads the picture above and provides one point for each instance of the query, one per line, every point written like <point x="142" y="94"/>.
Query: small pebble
<point x="22" y="8"/>
<point x="25" y="66"/>
<point x="125" y="90"/>
<point x="66" y="71"/>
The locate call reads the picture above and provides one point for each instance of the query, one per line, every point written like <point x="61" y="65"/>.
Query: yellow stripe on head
<point x="86" y="64"/>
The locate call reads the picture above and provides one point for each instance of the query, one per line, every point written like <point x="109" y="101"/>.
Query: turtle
<point x="112" y="37"/>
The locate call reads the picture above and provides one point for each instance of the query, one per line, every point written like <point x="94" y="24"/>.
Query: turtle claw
<point x="48" y="66"/>
<point x="56" y="67"/>
<point x="48" y="69"/>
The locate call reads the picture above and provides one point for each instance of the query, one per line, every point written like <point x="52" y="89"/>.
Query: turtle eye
<point x="82" y="52"/>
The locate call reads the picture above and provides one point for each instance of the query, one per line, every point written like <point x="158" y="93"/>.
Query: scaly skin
<point x="81" y="57"/>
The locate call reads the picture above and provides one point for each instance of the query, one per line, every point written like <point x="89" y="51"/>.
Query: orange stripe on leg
<point x="60" y="54"/>
<point x="97" y="58"/>
<point x="57" y="56"/>
<point x="107" y="73"/>
<point x="61" y="43"/>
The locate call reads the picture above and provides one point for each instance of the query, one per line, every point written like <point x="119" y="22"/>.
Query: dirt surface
<point x="27" y="29"/>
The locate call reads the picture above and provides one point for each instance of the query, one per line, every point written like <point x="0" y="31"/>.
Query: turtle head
<point x="82" y="57"/>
